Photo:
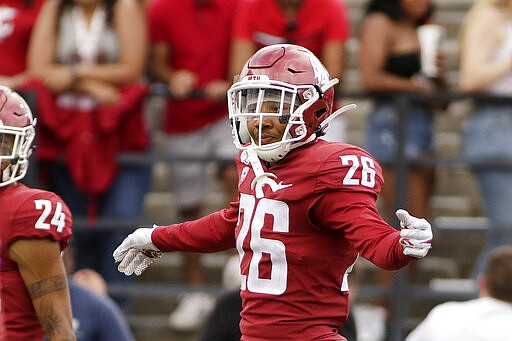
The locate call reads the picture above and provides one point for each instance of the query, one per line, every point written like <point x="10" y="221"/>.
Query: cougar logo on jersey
<point x="265" y="179"/>
<point x="244" y="157"/>
<point x="7" y="14"/>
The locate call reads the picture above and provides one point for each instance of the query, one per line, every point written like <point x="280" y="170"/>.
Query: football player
<point x="35" y="226"/>
<point x="306" y="208"/>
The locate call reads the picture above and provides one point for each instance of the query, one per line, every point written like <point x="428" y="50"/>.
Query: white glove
<point x="415" y="236"/>
<point x="136" y="252"/>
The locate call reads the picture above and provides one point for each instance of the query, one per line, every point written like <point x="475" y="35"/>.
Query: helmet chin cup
<point x="273" y="154"/>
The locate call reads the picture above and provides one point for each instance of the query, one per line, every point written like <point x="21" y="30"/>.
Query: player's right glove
<point x="415" y="235"/>
<point x="137" y="252"/>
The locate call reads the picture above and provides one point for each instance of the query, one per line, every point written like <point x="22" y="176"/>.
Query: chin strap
<point x="6" y="173"/>
<point x="329" y="85"/>
<point x="7" y="176"/>
<point x="338" y="112"/>
<point x="261" y="178"/>
<point x="335" y="114"/>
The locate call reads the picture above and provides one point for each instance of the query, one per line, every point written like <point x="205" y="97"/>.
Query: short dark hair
<point x="498" y="273"/>
<point x="393" y="9"/>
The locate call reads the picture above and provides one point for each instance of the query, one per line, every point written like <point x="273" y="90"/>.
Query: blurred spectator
<point x="96" y="317"/>
<point x="189" y="52"/>
<point x="389" y="62"/>
<point x="321" y="26"/>
<point x="486" y="318"/>
<point x="89" y="56"/>
<point x="223" y="321"/>
<point x="91" y="280"/>
<point x="16" y="19"/>
<point x="486" y="67"/>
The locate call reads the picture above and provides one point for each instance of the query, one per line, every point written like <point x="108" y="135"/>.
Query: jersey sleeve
<point x="42" y="215"/>
<point x="212" y="233"/>
<point x="349" y="183"/>
<point x="356" y="216"/>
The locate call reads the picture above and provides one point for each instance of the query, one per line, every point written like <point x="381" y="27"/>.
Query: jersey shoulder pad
<point x="349" y="168"/>
<point x="41" y="214"/>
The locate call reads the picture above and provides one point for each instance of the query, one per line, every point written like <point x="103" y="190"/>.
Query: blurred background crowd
<point x="130" y="98"/>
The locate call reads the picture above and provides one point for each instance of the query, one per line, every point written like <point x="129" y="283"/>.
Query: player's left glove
<point x="415" y="235"/>
<point x="137" y="252"/>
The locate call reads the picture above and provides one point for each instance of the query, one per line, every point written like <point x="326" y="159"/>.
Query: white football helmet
<point x="292" y="78"/>
<point x="17" y="133"/>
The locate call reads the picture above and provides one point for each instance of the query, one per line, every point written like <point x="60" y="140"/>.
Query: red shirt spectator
<point x="200" y="48"/>
<point x="313" y="24"/>
<point x="263" y="22"/>
<point x="16" y="19"/>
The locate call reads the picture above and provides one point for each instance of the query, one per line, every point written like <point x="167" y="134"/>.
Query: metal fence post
<point x="400" y="291"/>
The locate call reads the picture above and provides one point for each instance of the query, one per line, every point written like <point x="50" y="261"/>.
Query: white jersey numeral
<point x="58" y="220"/>
<point x="344" y="282"/>
<point x="276" y="284"/>
<point x="367" y="172"/>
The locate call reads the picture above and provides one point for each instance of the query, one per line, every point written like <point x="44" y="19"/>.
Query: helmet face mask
<point x="284" y="81"/>
<point x="17" y="134"/>
<point x="260" y="100"/>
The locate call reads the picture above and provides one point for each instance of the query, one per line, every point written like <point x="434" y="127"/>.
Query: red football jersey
<point x="298" y="242"/>
<point x="26" y="213"/>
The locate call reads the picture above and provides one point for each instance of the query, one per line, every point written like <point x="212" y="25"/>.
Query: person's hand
<point x="216" y="90"/>
<point x="182" y="83"/>
<point x="103" y="92"/>
<point x="415" y="235"/>
<point x="136" y="252"/>
<point x="15" y="81"/>
<point x="421" y="84"/>
<point x="58" y="79"/>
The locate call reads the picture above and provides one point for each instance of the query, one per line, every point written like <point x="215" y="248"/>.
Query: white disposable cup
<point x="430" y="37"/>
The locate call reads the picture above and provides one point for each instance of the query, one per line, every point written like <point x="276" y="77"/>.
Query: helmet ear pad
<point x="318" y="111"/>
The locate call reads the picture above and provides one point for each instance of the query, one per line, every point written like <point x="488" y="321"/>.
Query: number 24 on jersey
<point x="45" y="222"/>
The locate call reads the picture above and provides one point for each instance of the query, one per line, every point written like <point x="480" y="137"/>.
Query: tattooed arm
<point x="40" y="265"/>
